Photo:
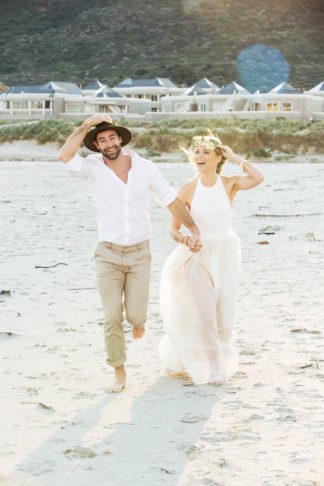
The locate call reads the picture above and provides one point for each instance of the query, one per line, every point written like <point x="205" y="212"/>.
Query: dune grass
<point x="253" y="137"/>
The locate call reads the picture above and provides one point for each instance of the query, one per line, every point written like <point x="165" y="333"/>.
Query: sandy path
<point x="58" y="427"/>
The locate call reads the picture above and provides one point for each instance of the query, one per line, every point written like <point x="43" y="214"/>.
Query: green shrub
<point x="257" y="137"/>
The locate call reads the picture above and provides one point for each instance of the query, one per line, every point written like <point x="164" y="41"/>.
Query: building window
<point x="104" y="108"/>
<point x="47" y="105"/>
<point x="20" y="105"/>
<point x="272" y="106"/>
<point x="154" y="98"/>
<point x="167" y="108"/>
<point x="286" y="106"/>
<point x="256" y="106"/>
<point x="36" y="105"/>
<point x="71" y="108"/>
<point x="203" y="107"/>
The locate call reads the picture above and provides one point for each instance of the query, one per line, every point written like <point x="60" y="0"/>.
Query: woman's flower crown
<point x="208" y="141"/>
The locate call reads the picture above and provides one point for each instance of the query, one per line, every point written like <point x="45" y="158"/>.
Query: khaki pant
<point x="123" y="274"/>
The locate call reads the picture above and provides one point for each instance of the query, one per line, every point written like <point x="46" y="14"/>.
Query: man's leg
<point x="111" y="281"/>
<point x="137" y="288"/>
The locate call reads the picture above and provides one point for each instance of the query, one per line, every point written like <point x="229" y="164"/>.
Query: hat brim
<point x="91" y="136"/>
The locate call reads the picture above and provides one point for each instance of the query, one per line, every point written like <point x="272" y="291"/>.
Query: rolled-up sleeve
<point x="79" y="167"/>
<point x="162" y="192"/>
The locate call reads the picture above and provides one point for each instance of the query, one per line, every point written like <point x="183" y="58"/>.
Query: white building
<point x="57" y="99"/>
<point x="286" y="101"/>
<point x="99" y="98"/>
<point x="234" y="101"/>
<point x="66" y="100"/>
<point x="40" y="101"/>
<point x="230" y="98"/>
<point x="148" y="89"/>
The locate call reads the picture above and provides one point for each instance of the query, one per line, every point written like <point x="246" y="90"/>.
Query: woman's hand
<point x="194" y="244"/>
<point x="227" y="152"/>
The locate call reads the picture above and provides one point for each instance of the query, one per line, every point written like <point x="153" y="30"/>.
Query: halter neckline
<point x="208" y="187"/>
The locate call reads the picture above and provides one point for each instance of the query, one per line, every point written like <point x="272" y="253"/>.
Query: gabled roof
<point x="194" y="91"/>
<point x="233" y="88"/>
<point x="166" y="82"/>
<point x="204" y="83"/>
<point x="202" y="86"/>
<point x="93" y="86"/>
<point x="30" y="88"/>
<point x="318" y="88"/>
<point x="284" y="88"/>
<point x="64" y="87"/>
<point x="141" y="83"/>
<point x="108" y="93"/>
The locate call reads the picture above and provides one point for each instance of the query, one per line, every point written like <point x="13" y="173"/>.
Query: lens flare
<point x="261" y="67"/>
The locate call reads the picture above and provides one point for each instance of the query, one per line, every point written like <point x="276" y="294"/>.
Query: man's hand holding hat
<point x="96" y="119"/>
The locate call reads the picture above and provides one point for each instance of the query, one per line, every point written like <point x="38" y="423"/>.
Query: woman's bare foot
<point x="119" y="382"/>
<point x="215" y="382"/>
<point x="138" y="332"/>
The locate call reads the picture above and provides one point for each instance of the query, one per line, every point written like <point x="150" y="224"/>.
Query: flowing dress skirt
<point x="197" y="298"/>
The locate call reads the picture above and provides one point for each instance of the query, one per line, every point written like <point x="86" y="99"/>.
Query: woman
<point x="199" y="285"/>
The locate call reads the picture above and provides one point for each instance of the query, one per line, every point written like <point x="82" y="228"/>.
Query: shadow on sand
<point x="151" y="448"/>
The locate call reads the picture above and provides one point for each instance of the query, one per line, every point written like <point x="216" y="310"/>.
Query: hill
<point x="185" y="40"/>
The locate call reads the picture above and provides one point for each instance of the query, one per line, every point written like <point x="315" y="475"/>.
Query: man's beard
<point x="113" y="155"/>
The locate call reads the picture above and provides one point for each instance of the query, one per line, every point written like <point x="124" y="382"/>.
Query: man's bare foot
<point x="138" y="332"/>
<point x="119" y="382"/>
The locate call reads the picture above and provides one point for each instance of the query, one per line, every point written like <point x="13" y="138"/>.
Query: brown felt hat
<point x="91" y="136"/>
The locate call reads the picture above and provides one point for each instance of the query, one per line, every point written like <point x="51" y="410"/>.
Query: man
<point x="120" y="182"/>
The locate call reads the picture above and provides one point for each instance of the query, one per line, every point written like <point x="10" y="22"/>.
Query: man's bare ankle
<point x="119" y="382"/>
<point x="120" y="371"/>
<point x="138" y="332"/>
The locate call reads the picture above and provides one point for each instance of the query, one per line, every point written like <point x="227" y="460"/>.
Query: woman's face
<point x="206" y="159"/>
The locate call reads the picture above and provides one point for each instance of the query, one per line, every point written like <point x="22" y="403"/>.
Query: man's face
<point x="109" y="144"/>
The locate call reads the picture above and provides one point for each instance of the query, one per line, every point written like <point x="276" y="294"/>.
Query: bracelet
<point x="245" y="166"/>
<point x="186" y="239"/>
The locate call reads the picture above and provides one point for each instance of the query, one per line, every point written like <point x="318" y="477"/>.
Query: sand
<point x="22" y="150"/>
<point x="59" y="427"/>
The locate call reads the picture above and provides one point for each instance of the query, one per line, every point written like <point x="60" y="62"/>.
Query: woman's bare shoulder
<point x="186" y="190"/>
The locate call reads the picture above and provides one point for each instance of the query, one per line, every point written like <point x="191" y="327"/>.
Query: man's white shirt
<point x="122" y="209"/>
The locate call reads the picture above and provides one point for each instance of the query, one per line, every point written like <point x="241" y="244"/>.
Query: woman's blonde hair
<point x="211" y="141"/>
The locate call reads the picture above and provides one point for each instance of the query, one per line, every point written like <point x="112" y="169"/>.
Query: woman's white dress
<point x="198" y="293"/>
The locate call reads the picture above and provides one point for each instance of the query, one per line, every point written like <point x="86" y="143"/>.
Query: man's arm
<point x="74" y="141"/>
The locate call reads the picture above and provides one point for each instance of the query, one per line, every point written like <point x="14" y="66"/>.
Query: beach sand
<point x="59" y="427"/>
